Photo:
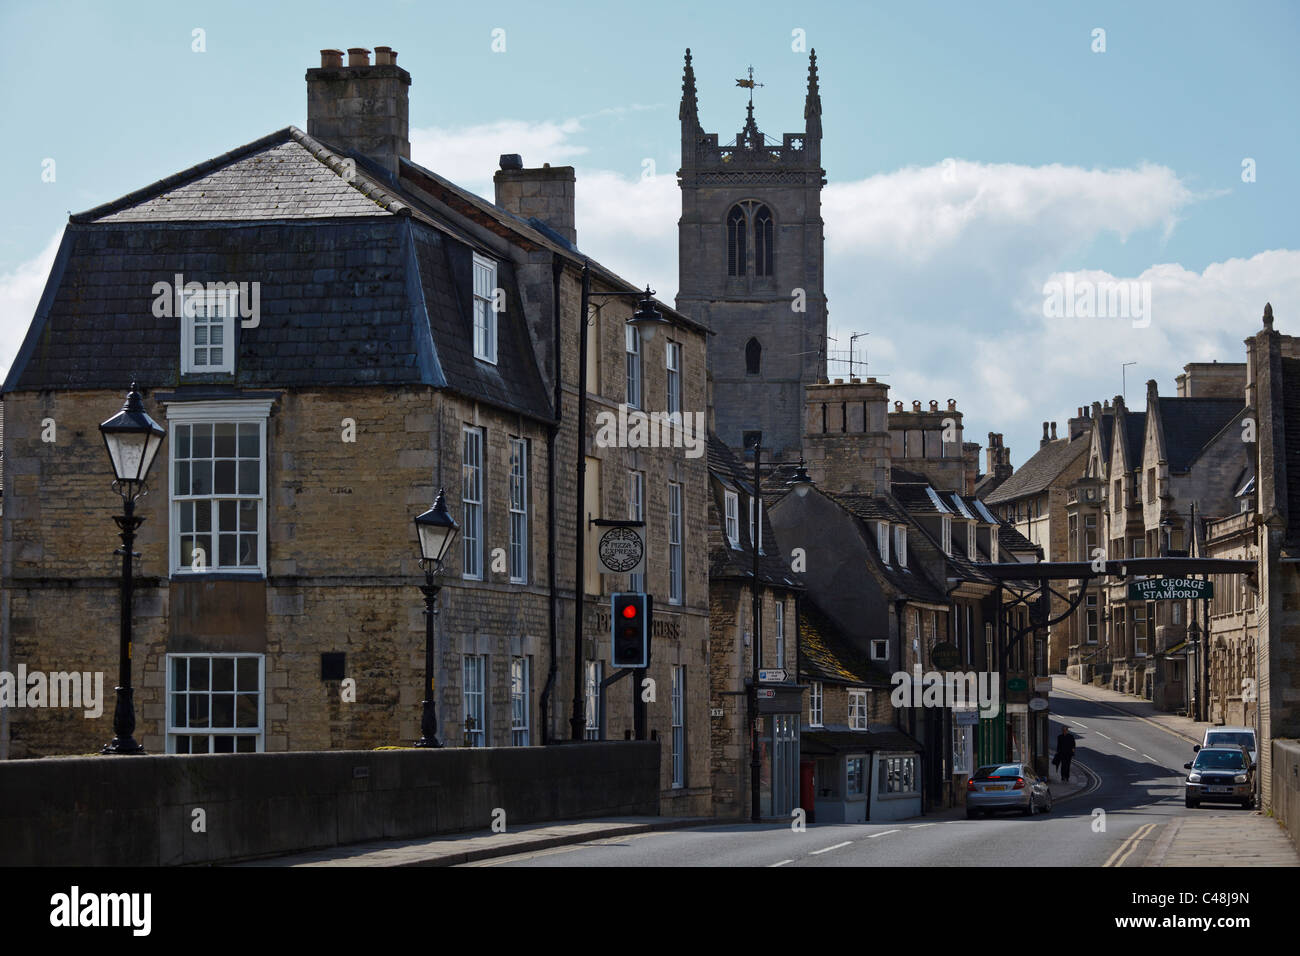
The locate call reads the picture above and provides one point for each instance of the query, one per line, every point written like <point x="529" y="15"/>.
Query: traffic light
<point x="630" y="626"/>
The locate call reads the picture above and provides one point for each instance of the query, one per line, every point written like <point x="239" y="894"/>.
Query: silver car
<point x="1007" y="786"/>
<point x="1231" y="737"/>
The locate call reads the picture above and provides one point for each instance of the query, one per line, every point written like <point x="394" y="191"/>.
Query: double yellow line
<point x="1121" y="855"/>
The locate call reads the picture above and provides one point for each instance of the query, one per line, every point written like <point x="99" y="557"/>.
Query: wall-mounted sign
<point x="945" y="657"/>
<point x="1170" y="589"/>
<point x="1038" y="703"/>
<point x="1017" y="684"/>
<point x="621" y="550"/>
<point x="715" y="711"/>
<point x="766" y="693"/>
<point x="772" y="675"/>
<point x="965" y="718"/>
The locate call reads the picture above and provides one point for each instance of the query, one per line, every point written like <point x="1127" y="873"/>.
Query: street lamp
<point x="436" y="529"/>
<point x="132" y="439"/>
<point x="647" y="319"/>
<point x="799" y="483"/>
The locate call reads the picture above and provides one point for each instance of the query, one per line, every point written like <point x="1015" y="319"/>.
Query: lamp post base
<point x="124" y="741"/>
<point x="429" y="727"/>
<point x="127" y="747"/>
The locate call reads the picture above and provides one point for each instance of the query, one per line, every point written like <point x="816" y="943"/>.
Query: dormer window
<point x="208" y="330"/>
<point x="882" y="540"/>
<point x="972" y="547"/>
<point x="756" y="535"/>
<point x="900" y="545"/>
<point x="485" y="316"/>
<point x="733" y="519"/>
<point x="946" y="538"/>
<point x="993" y="544"/>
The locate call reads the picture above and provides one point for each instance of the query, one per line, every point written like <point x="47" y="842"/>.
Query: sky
<point x="975" y="155"/>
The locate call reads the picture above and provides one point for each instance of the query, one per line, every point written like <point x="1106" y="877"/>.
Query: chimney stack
<point x="546" y="194"/>
<point x="360" y="108"/>
<point x="1044" y="439"/>
<point x="1053" y="431"/>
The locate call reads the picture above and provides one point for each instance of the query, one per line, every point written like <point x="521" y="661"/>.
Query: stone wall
<point x="145" y="811"/>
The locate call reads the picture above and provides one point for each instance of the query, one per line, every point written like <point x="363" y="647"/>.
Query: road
<point x="1139" y="767"/>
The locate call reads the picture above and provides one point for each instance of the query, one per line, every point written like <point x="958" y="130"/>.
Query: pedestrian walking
<point x="1064" y="752"/>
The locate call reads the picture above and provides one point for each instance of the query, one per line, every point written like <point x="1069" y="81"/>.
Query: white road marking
<point x="886" y="833"/>
<point x="782" y="863"/>
<point x="1122" y="744"/>
<point x="917" y="826"/>
<point x="1149" y="757"/>
<point x="829" y="848"/>
<point x="1100" y="734"/>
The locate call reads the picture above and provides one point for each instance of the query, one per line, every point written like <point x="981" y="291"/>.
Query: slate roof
<point x="1107" y="433"/>
<point x="1135" y="430"/>
<point x="1009" y="539"/>
<point x="357" y="285"/>
<point x="985" y="484"/>
<point x="1038" y="473"/>
<point x="827" y="653"/>
<point x="1190" y="423"/>
<point x="910" y="581"/>
<point x="724" y="560"/>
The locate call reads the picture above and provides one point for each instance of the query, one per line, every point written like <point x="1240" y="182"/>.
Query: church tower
<point x="751" y="267"/>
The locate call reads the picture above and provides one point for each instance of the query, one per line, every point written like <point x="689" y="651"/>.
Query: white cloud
<point x="20" y="293"/>
<point x="468" y="156"/>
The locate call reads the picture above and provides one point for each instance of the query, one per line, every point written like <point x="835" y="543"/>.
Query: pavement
<point x="460" y="848"/>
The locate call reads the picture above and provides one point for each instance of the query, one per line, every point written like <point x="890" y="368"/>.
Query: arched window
<point x="753" y="357"/>
<point x="736" y="241"/>
<point x="763" y="242"/>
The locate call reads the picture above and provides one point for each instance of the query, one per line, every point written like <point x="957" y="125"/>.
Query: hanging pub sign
<point x="620" y="546"/>
<point x="1170" y="589"/>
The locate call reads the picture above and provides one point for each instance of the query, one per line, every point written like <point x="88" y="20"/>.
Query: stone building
<point x="1034" y="499"/>
<point x="732" y="535"/>
<point x="394" y="334"/>
<point x="751" y="266"/>
<point x="1273" y="392"/>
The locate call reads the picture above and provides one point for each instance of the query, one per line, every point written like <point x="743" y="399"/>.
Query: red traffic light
<point x="629" y="611"/>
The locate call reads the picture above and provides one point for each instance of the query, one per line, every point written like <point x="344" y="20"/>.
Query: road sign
<point x="766" y="693"/>
<point x="621" y="550"/>
<point x="772" y="675"/>
<point x="1038" y="703"/>
<point x="715" y="711"/>
<point x="1170" y="589"/>
<point x="1017" y="684"/>
<point x="1043" y="685"/>
<point x="965" y="718"/>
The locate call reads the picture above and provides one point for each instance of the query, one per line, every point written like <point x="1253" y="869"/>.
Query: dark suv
<point x="1220" y="775"/>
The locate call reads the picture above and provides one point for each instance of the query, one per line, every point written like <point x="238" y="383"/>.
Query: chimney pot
<point x="358" y="56"/>
<point x="934" y="405"/>
<point x="385" y="56"/>
<point x="1053" y="431"/>
<point x="331" y="59"/>
<point x="898" y="406"/>
<point x="511" y="161"/>
<point x="952" y="404"/>
<point x="916" y="406"/>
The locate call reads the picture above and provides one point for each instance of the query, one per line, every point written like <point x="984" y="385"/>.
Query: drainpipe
<point x="577" y="719"/>
<point x="553" y="608"/>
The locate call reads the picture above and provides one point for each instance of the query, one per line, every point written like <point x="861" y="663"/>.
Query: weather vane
<point x="749" y="84"/>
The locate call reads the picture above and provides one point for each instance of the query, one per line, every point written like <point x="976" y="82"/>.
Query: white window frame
<point x="879" y="649"/>
<point x="636" y="512"/>
<point x="858" y="714"/>
<point x="593" y="674"/>
<point x="217" y="413"/>
<point x="520" y="681"/>
<point x="678" y="726"/>
<point x="474" y="667"/>
<point x="946" y="535"/>
<point x="519" y="527"/>
<point x="471" y="499"/>
<point x="778" y="639"/>
<point x="972" y="542"/>
<point x="756" y="535"/>
<point x="882" y="540"/>
<point x="485" y="316"/>
<point x="963" y="741"/>
<point x="676" y="549"/>
<point x="900" y="545"/>
<point x="211" y="298"/>
<point x="174" y="731"/>
<point x="898" y="776"/>
<point x="673" y="372"/>
<point x="861" y="790"/>
<point x="1092" y="627"/>
<point x="816" y="703"/>
<point x="731" y="506"/>
<point x="632" y="347"/>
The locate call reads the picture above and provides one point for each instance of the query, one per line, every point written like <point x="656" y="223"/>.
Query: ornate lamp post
<point x="132" y="439"/>
<point x="436" y="530"/>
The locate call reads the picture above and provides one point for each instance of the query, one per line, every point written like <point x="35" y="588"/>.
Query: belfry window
<point x="763" y="242"/>
<point x="753" y="357"/>
<point x="736" y="228"/>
